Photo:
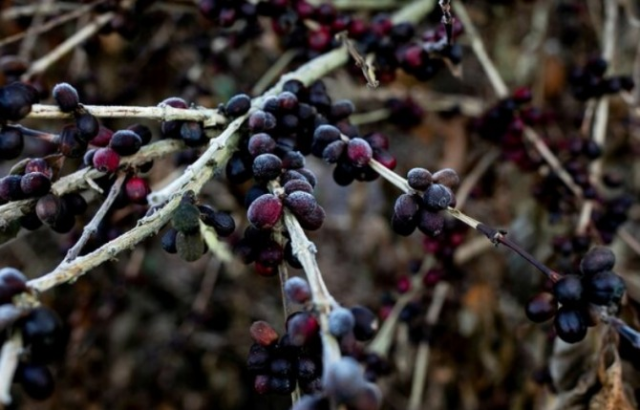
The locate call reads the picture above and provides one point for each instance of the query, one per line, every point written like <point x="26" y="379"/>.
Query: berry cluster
<point x="185" y="237"/>
<point x="42" y="338"/>
<point x="413" y="210"/>
<point x="443" y="247"/>
<point x="576" y="293"/>
<point x="589" y="81"/>
<point x="190" y="132"/>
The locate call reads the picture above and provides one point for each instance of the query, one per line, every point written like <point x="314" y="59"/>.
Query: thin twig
<point x="92" y="227"/>
<point x="39" y="66"/>
<point x="209" y="117"/>
<point x="470" y="181"/>
<point x="8" y="363"/>
<point x="368" y="71"/>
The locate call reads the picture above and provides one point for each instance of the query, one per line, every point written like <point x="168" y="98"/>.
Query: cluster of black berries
<point x="443" y="247"/>
<point x="575" y="293"/>
<point x="185" y="235"/>
<point x="504" y="125"/>
<point x="589" y="81"/>
<point x="43" y="339"/>
<point x="413" y="211"/>
<point x="190" y="132"/>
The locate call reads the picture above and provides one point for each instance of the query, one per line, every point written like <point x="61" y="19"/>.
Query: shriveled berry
<point x="238" y="105"/>
<point x="263" y="333"/>
<point x="36" y="380"/>
<point x="541" y="307"/>
<point x="604" y="288"/>
<point x="10" y="188"/>
<point x="48" y="208"/>
<point x="137" y="189"/>
<point x="186" y="218"/>
<point x="297" y="290"/>
<point x="11" y="142"/>
<point x="168" y="241"/>
<point x="125" y="142"/>
<point x="88" y="126"/>
<point x="265" y="211"/>
<point x="568" y="290"/>
<point x="341" y="321"/>
<point x="71" y="144"/>
<point x="261" y="143"/>
<point x="366" y="324"/>
<point x="35" y="184"/>
<point x="42" y="332"/>
<point x="12" y="282"/>
<point x="419" y="178"/>
<point x="38" y="165"/>
<point x="598" y="259"/>
<point x="106" y="160"/>
<point x="359" y="152"/>
<point x="66" y="97"/>
<point x="569" y="325"/>
<point x="447" y="177"/>
<point x="190" y="247"/>
<point x="437" y="197"/>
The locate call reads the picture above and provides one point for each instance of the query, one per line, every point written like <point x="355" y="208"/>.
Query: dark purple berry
<point x="11" y="142"/>
<point x="10" y="188"/>
<point x="287" y="101"/>
<point x="266" y="167"/>
<point x="313" y="220"/>
<point x="447" y="177"/>
<point x="598" y="259"/>
<point x="88" y="126"/>
<point x="125" y="142"/>
<point x="297" y="185"/>
<point x="168" y="241"/>
<point x="604" y="288"/>
<point x="541" y="307"/>
<point x="12" y="282"/>
<point x="42" y="333"/>
<point x="430" y="223"/>
<point x="569" y="325"/>
<point x="359" y="152"/>
<point x="261" y="144"/>
<point x="238" y="105"/>
<point x="74" y="203"/>
<point x="366" y="323"/>
<point x="48" y="208"/>
<point x="437" y="197"/>
<point x="333" y="152"/>
<point x="192" y="133"/>
<point x="568" y="290"/>
<point x="66" y="97"/>
<point x="261" y="121"/>
<point x="297" y="290"/>
<point x="35" y="184"/>
<point x="265" y="211"/>
<point x="38" y="165"/>
<point x="36" y="380"/>
<point x="71" y="144"/>
<point x="341" y="321"/>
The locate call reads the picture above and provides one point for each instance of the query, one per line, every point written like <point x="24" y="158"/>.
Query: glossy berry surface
<point x="106" y="160"/>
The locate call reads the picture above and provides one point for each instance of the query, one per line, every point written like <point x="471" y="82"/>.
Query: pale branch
<point x="40" y="66"/>
<point x="209" y="117"/>
<point x="78" y="180"/>
<point x="92" y="227"/>
<point x="8" y="363"/>
<point x="478" y="47"/>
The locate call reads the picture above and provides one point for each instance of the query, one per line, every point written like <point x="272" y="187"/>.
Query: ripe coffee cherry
<point x="265" y="211"/>
<point x="541" y="307"/>
<point x="10" y="188"/>
<point x="106" y="160"/>
<point x="103" y="137"/>
<point x="604" y="288"/>
<point x="297" y="290"/>
<point x="66" y="97"/>
<point x="366" y="324"/>
<point x="48" y="208"/>
<point x="193" y="134"/>
<point x="341" y="321"/>
<point x="38" y="165"/>
<point x="168" y="241"/>
<point x="447" y="177"/>
<point x="16" y="100"/>
<point x="88" y="126"/>
<point x="437" y="197"/>
<point x="36" y="381"/>
<point x="263" y="333"/>
<point x="71" y="144"/>
<point x="12" y="282"/>
<point x="419" y="179"/>
<point x="266" y="167"/>
<point x="359" y="152"/>
<point x="186" y="218"/>
<point x="430" y="223"/>
<point x="137" y="190"/>
<point x="301" y="203"/>
<point x="11" y="142"/>
<point x="301" y="328"/>
<point x="74" y="203"/>
<point x="570" y="325"/>
<point x="125" y="142"/>
<point x="568" y="290"/>
<point x="35" y="184"/>
<point x="598" y="259"/>
<point x="238" y="105"/>
<point x="143" y="132"/>
<point x="42" y="333"/>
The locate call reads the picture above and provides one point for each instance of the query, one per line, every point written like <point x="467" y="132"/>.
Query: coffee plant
<point x="309" y="204"/>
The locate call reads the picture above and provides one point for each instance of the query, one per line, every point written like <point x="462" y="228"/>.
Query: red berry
<point x="263" y="333"/>
<point x="137" y="190"/>
<point x="35" y="184"/>
<point x="103" y="138"/>
<point x="319" y="40"/>
<point x="265" y="211"/>
<point x="359" y="152"/>
<point x="106" y="160"/>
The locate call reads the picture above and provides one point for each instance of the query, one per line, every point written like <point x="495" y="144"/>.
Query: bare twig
<point x="39" y="66"/>
<point x="474" y="176"/>
<point x="32" y="32"/>
<point x="368" y="71"/>
<point x="92" y="227"/>
<point x="8" y="363"/>
<point x="209" y="117"/>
